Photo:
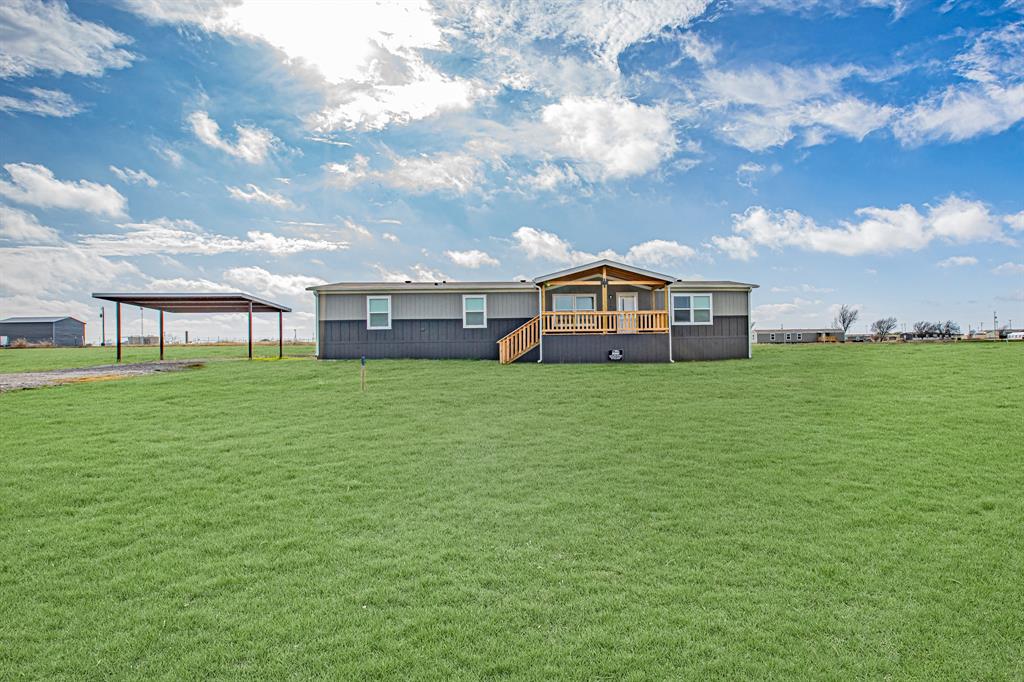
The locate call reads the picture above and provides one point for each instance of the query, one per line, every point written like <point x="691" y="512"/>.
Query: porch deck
<point x="606" y="322"/>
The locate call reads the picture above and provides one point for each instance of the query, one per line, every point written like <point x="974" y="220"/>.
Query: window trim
<point x="710" y="308"/>
<point x="592" y="297"/>
<point x="373" y="298"/>
<point x="771" y="336"/>
<point x="474" y="326"/>
<point x="799" y="336"/>
<point x="789" y="336"/>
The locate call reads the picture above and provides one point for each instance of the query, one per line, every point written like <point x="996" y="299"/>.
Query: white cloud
<point x="64" y="269"/>
<point x="21" y="226"/>
<point x="988" y="101"/>
<point x="43" y="102"/>
<point x="548" y="177"/>
<point x="878" y="230"/>
<point x="36" y="185"/>
<point x="658" y="252"/>
<point x="1009" y="268"/>
<point x="445" y="172"/>
<point x="171" y="156"/>
<point x="389" y="237"/>
<point x="748" y="173"/>
<point x="45" y="36"/>
<point x="165" y="236"/>
<point x="134" y="177"/>
<point x="420" y="273"/>
<point x="260" y="281"/>
<point x="472" y="259"/>
<point x="798" y="312"/>
<point x="259" y="196"/>
<point x="610" y="139"/>
<point x="764" y="107"/>
<point x="252" y="146"/>
<point x="957" y="261"/>
<point x="539" y="244"/>
<point x="1015" y="221"/>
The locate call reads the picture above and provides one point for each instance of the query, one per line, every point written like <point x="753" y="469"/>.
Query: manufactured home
<point x="599" y="312"/>
<point x="820" y="335"/>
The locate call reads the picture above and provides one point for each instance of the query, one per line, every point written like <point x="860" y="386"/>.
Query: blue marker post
<point x="362" y="373"/>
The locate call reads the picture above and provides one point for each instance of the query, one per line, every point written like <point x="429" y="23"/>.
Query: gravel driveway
<point x="20" y="380"/>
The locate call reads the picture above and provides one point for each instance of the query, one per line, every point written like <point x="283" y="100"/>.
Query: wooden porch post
<point x="668" y="321"/>
<point x="118" y="331"/>
<point x="604" y="299"/>
<point x="250" y="330"/>
<point x="280" y="334"/>
<point x="161" y="333"/>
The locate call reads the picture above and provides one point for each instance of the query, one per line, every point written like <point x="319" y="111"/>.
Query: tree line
<point x="883" y="327"/>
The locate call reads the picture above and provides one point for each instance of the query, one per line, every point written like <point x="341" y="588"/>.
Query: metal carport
<point x="200" y="303"/>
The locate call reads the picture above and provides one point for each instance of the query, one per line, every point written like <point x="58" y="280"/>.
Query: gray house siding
<point x="726" y="338"/>
<point x="429" y="306"/>
<point x="425" y="339"/>
<point x="646" y="299"/>
<point x="592" y="348"/>
<point x="795" y="336"/>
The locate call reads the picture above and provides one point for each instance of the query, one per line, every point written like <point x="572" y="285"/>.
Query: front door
<point x="626" y="302"/>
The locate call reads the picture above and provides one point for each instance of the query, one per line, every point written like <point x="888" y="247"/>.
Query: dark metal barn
<point x="58" y="330"/>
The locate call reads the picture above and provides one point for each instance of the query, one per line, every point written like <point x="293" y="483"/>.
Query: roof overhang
<point x="216" y="302"/>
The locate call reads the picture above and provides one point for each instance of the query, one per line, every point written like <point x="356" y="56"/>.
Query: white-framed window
<point x="474" y="311"/>
<point x="568" y="303"/>
<point x="800" y="337"/>
<point x="692" y="309"/>
<point x="771" y="337"/>
<point x="789" y="337"/>
<point x="378" y="312"/>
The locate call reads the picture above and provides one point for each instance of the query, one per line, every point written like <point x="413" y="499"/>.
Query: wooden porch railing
<point x="610" y="322"/>
<point x="519" y="342"/>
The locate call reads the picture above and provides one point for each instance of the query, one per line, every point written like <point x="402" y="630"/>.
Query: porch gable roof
<point x="595" y="268"/>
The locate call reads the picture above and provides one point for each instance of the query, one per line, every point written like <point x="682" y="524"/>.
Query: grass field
<point x="841" y="512"/>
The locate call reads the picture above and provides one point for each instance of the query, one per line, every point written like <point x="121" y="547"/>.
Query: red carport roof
<point x="218" y="302"/>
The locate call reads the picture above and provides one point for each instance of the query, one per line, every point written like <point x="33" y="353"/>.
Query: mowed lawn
<point x="42" y="359"/>
<point x="841" y="512"/>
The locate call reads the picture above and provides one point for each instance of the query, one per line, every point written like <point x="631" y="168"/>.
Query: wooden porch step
<point x="519" y="342"/>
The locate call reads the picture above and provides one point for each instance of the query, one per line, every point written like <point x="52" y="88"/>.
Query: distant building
<point x="57" y="330"/>
<point x="799" y="335"/>
<point x="142" y="340"/>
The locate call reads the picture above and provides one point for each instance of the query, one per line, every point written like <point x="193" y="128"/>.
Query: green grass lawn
<point x="41" y="359"/>
<point x="838" y="512"/>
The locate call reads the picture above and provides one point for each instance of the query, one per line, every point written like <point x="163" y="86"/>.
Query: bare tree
<point x="948" y="329"/>
<point x="845" y="317"/>
<point x="883" y="327"/>
<point x="923" y="329"/>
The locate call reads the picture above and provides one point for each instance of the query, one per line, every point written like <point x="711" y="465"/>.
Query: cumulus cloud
<point x="259" y="196"/>
<point x="134" y="177"/>
<point x="252" y="144"/>
<point x="877" y="230"/>
<point x="537" y="244"/>
<point x="42" y="102"/>
<point x="473" y="258"/>
<point x="957" y="261"/>
<point x="60" y="269"/>
<point x="610" y="139"/>
<point x="1009" y="268"/>
<point x="45" y="36"/>
<point x="256" y="279"/>
<point x="419" y="273"/>
<point x="21" y="226"/>
<point x="35" y="185"/>
<point x="166" y="236"/>
<point x="549" y="177"/>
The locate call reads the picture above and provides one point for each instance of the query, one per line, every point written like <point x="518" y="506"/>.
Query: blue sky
<point x="868" y="153"/>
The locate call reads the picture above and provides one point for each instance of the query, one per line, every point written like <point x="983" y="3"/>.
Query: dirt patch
<point x="21" y="380"/>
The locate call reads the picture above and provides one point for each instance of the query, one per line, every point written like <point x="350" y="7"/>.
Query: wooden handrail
<point x="610" y="322"/>
<point x="519" y="341"/>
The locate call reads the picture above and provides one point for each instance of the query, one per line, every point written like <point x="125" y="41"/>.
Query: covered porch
<point x="604" y="298"/>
